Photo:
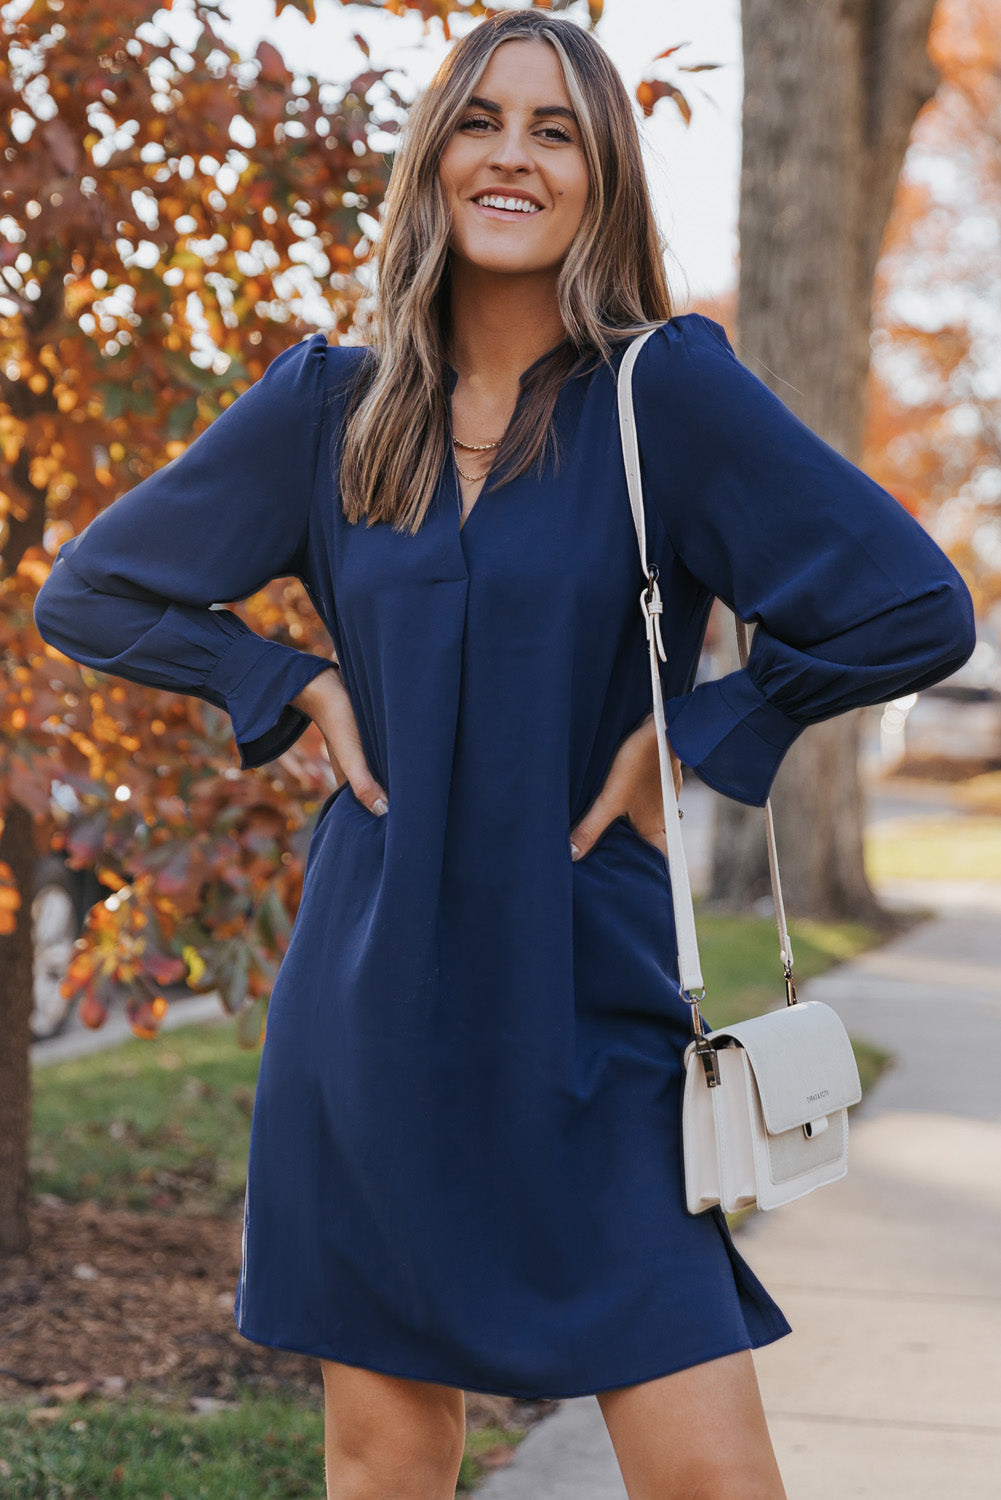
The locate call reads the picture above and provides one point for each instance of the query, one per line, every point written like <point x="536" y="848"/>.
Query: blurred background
<point x="185" y="190"/>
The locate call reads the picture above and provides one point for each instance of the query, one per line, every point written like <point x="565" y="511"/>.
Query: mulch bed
<point x="119" y="1304"/>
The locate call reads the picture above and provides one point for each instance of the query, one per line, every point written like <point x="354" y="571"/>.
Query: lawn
<point x="139" y="1159"/>
<point x="960" y="846"/>
<point x="270" y="1449"/>
<point x="149" y="1125"/>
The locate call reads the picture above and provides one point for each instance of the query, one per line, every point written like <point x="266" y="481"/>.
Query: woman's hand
<point x="632" y="786"/>
<point x="325" y="699"/>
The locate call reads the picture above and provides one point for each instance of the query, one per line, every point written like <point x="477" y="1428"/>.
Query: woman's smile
<point x="492" y="208"/>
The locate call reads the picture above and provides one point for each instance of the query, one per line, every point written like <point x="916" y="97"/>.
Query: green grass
<point x="961" y="846"/>
<point x="742" y="967"/>
<point x="267" y="1448"/>
<point x="485" y="1441"/>
<point x="149" y="1124"/>
<point x="270" y="1449"/>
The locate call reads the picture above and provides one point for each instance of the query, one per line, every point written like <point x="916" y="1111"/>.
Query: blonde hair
<point x="611" y="285"/>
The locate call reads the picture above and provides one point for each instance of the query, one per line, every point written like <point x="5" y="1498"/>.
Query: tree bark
<point x="831" y="93"/>
<point x="17" y="847"/>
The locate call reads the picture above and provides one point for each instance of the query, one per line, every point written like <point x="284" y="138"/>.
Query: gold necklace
<point x="471" y="476"/>
<point x="473" y="448"/>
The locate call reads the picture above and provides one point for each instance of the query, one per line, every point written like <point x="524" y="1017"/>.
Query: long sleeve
<point x="853" y="601"/>
<point x="131" y="594"/>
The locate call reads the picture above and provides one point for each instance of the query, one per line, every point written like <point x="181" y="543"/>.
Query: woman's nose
<point x="510" y="149"/>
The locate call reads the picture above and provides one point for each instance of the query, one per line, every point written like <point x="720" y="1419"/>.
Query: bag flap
<point x="802" y="1062"/>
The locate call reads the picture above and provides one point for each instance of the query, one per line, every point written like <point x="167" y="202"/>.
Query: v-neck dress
<point x="465" y="1158"/>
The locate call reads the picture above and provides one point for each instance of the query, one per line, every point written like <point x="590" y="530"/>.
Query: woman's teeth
<point x="511" y="205"/>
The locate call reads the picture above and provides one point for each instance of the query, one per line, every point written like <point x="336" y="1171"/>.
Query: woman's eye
<point x="554" y="132"/>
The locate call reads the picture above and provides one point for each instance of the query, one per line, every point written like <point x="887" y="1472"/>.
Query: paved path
<point x="890" y="1386"/>
<point x="79" y="1040"/>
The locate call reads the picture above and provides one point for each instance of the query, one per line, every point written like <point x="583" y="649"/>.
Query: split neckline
<point x="452" y="374"/>
<point x="460" y="520"/>
<point x="451" y="378"/>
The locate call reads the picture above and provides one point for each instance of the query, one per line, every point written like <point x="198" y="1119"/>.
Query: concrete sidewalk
<point x="81" y="1041"/>
<point x="890" y="1385"/>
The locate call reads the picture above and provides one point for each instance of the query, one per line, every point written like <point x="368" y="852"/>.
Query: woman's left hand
<point x="632" y="786"/>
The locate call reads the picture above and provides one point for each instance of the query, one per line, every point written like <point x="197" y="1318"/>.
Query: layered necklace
<point x="473" y="448"/>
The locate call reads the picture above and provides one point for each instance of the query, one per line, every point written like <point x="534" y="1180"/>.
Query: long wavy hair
<point x="395" y="431"/>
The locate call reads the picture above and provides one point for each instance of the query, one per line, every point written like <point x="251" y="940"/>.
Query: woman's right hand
<point x="325" y="699"/>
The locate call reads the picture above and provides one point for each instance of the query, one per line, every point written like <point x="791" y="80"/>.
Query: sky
<point x="694" y="170"/>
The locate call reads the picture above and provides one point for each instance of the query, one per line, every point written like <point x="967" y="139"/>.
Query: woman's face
<point x="514" y="141"/>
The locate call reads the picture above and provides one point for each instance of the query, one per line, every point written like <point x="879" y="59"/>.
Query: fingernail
<point x="574" y="851"/>
<point x="380" y="806"/>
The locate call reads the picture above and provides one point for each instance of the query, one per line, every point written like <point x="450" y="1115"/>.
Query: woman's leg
<point x="390" y="1438"/>
<point x="697" y="1435"/>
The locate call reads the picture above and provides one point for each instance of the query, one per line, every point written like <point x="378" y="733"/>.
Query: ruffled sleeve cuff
<point x="728" y="732"/>
<point x="258" y="678"/>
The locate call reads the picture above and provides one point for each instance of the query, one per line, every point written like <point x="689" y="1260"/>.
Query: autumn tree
<point x="167" y="215"/>
<point x="934" y="418"/>
<point x="831" y="95"/>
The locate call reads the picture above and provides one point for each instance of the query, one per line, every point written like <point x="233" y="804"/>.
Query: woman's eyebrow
<point x="543" y="109"/>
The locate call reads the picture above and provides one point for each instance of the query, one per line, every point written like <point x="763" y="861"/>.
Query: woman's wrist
<point x="317" y="690"/>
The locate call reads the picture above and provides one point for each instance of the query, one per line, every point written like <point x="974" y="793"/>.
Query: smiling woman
<point x="464" y="1166"/>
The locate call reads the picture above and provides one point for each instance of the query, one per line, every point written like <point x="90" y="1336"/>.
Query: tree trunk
<point x="17" y="847"/>
<point x="831" y="93"/>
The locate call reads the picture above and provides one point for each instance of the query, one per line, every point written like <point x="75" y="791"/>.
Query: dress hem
<point x="780" y="1330"/>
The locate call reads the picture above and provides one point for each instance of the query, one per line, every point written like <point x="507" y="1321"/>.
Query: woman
<point x="464" y="1164"/>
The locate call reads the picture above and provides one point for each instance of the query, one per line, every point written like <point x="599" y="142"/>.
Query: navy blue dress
<point x="464" y="1160"/>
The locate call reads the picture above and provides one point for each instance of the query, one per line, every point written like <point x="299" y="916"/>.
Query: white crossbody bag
<point x="765" y="1103"/>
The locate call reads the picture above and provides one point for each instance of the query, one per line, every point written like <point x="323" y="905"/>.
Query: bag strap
<point x="785" y="942"/>
<point x="689" y="965"/>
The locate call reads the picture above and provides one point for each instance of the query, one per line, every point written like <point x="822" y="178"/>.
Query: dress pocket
<point x="329" y="802"/>
<point x="621" y="826"/>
